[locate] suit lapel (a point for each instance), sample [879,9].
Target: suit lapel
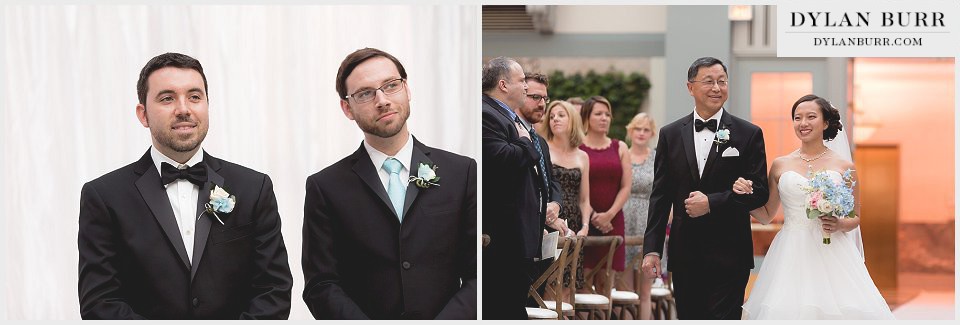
[716,147]
[364,169]
[420,155]
[690,150]
[202,227]
[155,196]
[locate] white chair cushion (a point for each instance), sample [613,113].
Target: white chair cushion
[552,305]
[624,295]
[659,292]
[540,313]
[590,299]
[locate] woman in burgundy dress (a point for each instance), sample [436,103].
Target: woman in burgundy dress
[610,174]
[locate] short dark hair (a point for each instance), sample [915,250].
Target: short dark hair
[356,58]
[161,61]
[830,114]
[703,62]
[537,77]
[494,71]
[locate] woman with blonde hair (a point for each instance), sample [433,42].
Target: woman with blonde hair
[640,131]
[571,169]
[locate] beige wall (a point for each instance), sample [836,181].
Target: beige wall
[910,103]
[610,19]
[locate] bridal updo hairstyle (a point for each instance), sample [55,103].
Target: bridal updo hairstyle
[830,114]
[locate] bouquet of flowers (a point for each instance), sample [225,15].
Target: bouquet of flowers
[828,196]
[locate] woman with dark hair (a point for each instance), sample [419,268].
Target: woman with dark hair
[610,175]
[801,276]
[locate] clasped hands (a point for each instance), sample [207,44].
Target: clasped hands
[602,221]
[554,221]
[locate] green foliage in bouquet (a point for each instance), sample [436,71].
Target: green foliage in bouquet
[625,92]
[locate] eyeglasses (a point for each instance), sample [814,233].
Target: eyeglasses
[388,88]
[537,98]
[710,83]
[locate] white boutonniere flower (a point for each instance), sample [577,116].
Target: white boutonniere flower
[220,201]
[426,176]
[723,135]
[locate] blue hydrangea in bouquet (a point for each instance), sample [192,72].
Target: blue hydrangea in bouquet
[830,196]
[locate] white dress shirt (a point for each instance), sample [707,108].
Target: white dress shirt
[404,156]
[703,140]
[183,197]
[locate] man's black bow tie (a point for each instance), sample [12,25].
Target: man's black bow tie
[196,174]
[700,124]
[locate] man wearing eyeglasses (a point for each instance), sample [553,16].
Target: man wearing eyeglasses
[531,114]
[390,232]
[699,157]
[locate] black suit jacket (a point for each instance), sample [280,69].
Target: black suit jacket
[133,263]
[360,262]
[721,239]
[513,188]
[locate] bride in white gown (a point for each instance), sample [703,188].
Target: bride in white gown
[800,277]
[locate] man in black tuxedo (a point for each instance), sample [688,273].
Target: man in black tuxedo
[383,237]
[513,191]
[699,157]
[180,234]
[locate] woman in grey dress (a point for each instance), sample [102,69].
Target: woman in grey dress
[639,132]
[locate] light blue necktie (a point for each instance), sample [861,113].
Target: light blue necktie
[395,185]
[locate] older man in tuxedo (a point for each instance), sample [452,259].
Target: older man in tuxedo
[390,231]
[699,156]
[180,234]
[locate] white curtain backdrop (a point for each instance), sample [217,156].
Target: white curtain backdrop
[69,93]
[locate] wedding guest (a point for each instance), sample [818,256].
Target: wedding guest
[571,167]
[512,216]
[610,175]
[577,103]
[639,132]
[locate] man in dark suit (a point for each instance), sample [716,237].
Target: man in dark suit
[513,191]
[531,113]
[699,157]
[390,232]
[180,234]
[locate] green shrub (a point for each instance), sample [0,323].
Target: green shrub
[625,92]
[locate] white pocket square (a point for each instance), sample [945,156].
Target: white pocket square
[731,152]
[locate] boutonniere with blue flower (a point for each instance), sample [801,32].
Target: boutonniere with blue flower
[220,201]
[426,176]
[723,135]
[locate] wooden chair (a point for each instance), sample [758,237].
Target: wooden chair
[553,281]
[661,296]
[661,300]
[628,302]
[597,304]
[566,297]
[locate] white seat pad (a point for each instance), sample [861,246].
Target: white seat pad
[590,299]
[541,313]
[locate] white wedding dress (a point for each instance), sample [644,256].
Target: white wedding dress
[802,278]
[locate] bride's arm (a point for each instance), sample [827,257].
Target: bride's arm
[768,211]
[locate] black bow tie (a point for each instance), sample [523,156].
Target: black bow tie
[196,174]
[700,124]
